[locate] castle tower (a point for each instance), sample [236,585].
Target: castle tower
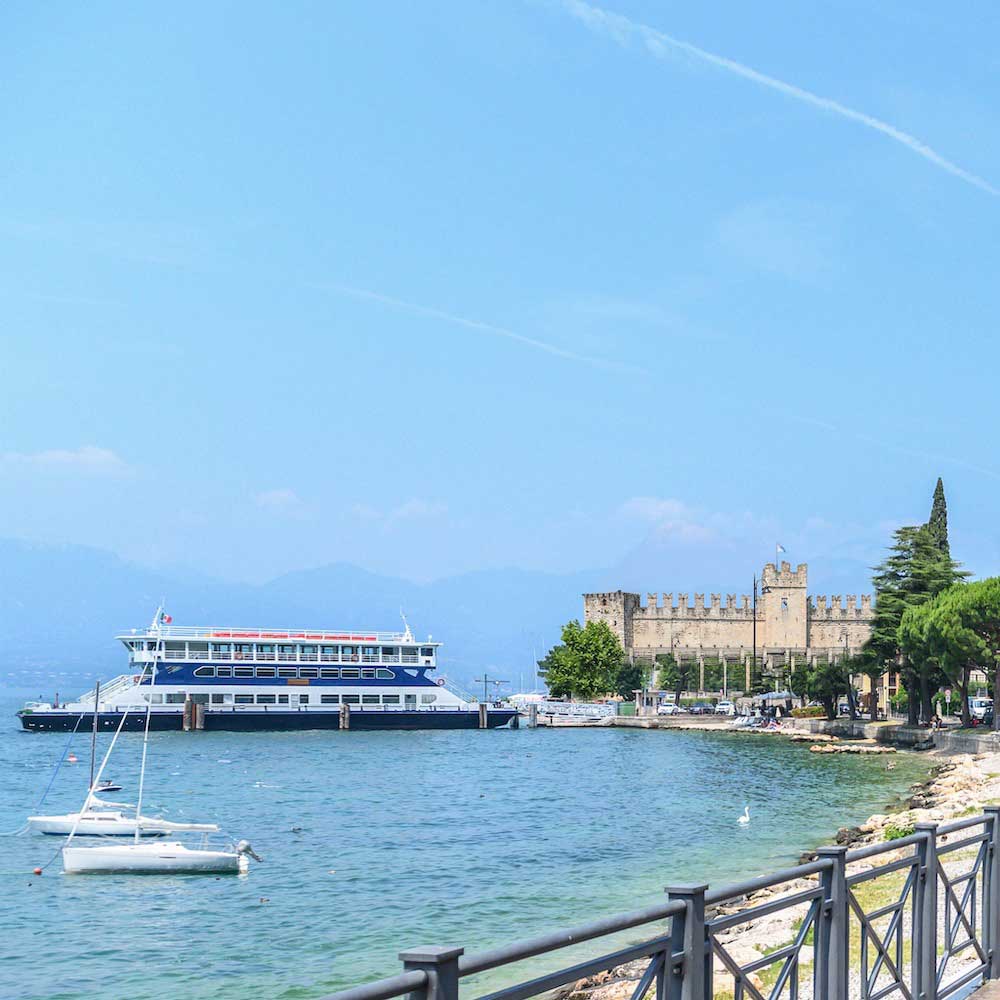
[616,609]
[781,609]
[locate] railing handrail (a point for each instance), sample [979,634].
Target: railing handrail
[679,958]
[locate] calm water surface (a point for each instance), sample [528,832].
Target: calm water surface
[378,841]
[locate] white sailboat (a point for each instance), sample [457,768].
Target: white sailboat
[108,819]
[152,859]
[146,858]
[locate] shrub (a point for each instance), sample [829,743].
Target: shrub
[809,712]
[893,832]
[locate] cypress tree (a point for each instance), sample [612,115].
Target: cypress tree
[937,523]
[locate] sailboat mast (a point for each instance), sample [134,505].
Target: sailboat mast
[145,737]
[93,734]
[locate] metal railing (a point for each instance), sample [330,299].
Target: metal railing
[931,931]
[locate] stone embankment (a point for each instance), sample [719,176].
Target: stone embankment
[958,787]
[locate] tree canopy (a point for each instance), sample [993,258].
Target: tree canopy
[959,630]
[586,663]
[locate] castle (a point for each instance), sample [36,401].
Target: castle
[790,624]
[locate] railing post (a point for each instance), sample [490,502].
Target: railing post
[991,895]
[693,980]
[833,929]
[925,919]
[441,966]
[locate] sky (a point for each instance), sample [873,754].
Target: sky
[441,287]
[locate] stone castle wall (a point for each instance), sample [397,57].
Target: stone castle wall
[789,621]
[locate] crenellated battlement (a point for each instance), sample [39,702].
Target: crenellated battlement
[788,619]
[662,606]
[785,576]
[840,607]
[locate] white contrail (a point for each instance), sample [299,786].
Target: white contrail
[621,29]
[474,324]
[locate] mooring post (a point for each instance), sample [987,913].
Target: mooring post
[186,723]
[532,716]
[483,715]
[693,980]
[833,928]
[926,921]
[992,893]
[441,966]
[345,716]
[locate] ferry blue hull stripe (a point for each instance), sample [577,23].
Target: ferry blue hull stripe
[273,721]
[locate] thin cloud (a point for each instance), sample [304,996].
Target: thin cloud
[474,324]
[88,458]
[622,30]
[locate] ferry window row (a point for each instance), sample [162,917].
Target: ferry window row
[227,698]
[293,652]
[324,673]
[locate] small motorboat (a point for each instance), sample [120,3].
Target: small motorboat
[155,859]
[106,786]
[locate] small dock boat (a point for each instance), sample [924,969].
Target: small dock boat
[153,859]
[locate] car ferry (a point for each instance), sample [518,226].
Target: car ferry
[211,678]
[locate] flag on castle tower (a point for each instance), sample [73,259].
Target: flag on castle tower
[779,548]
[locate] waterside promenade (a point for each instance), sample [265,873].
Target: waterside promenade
[917,917]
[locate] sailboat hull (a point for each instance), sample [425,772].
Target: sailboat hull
[150,859]
[110,825]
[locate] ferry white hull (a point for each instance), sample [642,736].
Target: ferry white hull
[151,859]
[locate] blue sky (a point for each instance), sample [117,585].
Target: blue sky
[439,287]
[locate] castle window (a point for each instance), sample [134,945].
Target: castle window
[784,604]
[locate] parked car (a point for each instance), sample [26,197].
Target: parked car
[668,709]
[979,707]
[700,708]
[725,708]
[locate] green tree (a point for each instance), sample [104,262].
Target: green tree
[673,675]
[826,684]
[914,571]
[630,677]
[586,663]
[798,682]
[937,523]
[961,631]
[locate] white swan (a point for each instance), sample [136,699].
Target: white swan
[745,818]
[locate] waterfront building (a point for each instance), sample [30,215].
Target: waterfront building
[785,624]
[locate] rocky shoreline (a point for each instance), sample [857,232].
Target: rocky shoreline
[957,787]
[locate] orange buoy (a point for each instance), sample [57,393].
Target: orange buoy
[38,871]
[72,758]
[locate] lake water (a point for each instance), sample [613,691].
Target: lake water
[402,839]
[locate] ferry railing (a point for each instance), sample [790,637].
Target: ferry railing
[916,918]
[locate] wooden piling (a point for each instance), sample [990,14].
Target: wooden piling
[186,722]
[345,716]
[198,714]
[484,717]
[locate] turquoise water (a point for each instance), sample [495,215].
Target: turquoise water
[475,838]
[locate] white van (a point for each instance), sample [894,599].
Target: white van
[978,707]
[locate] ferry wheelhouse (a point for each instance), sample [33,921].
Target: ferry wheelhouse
[271,679]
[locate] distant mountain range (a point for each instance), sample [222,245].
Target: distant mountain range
[60,607]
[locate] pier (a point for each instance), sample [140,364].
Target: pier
[916,918]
